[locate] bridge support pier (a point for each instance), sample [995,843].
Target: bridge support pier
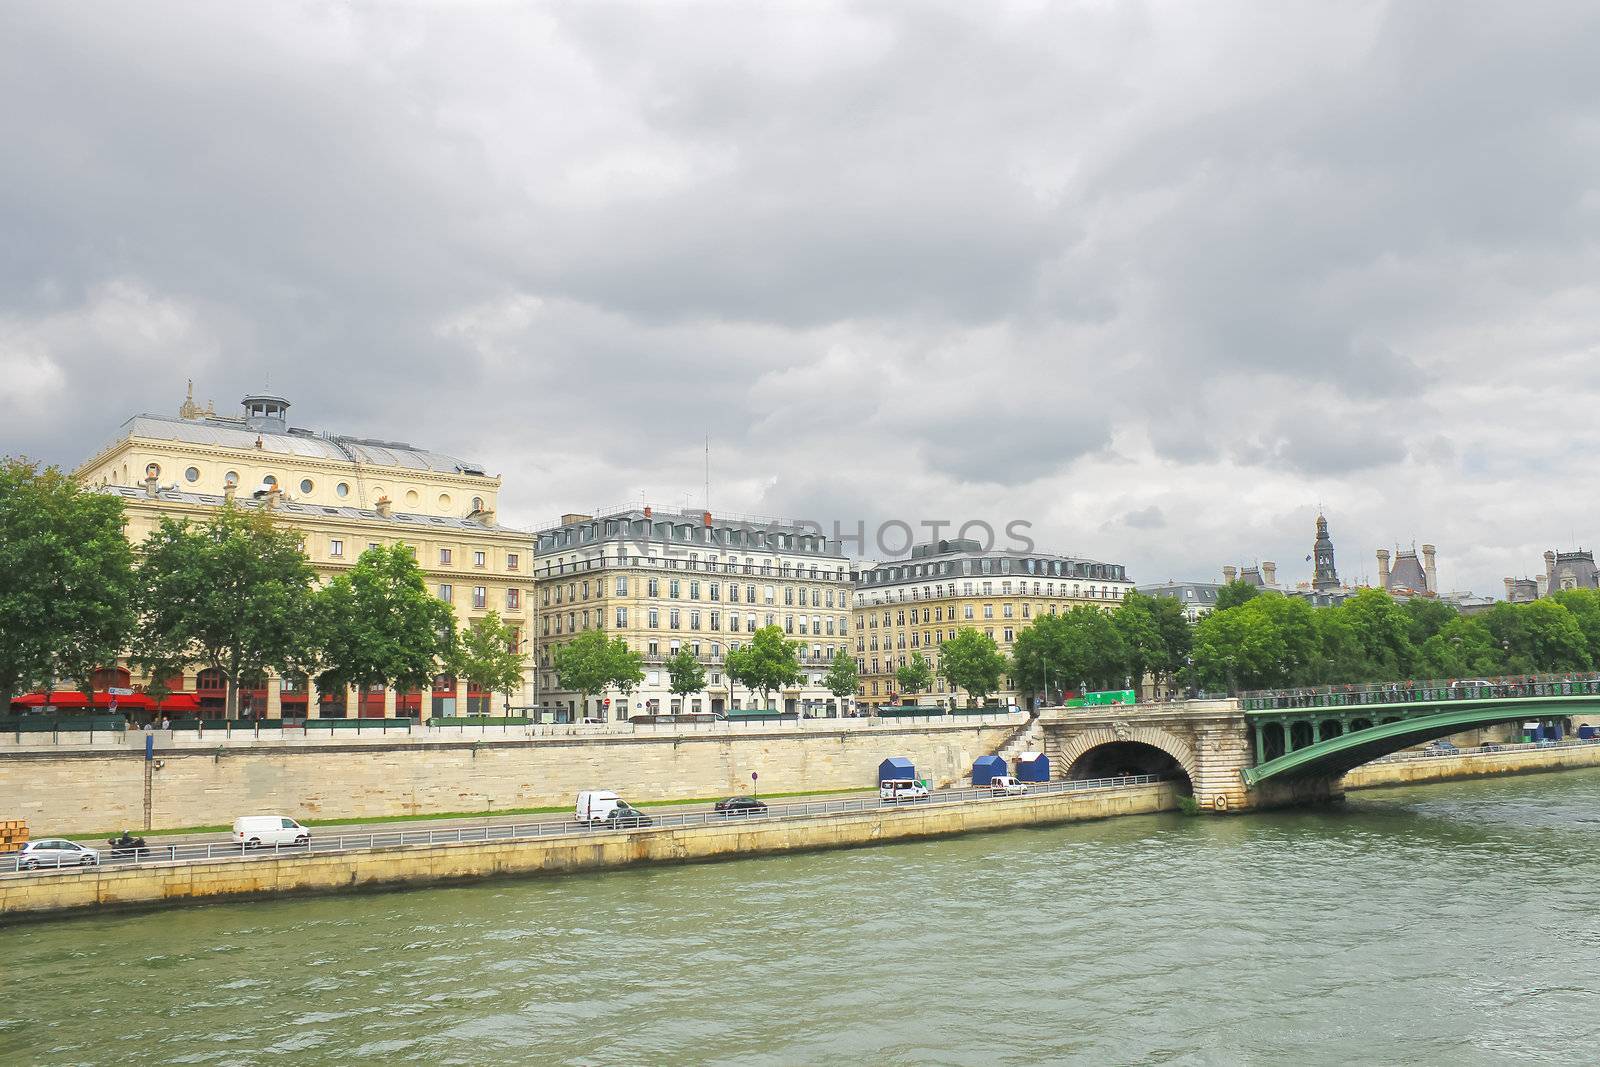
[1210,740]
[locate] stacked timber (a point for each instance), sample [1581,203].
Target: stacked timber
[13,835]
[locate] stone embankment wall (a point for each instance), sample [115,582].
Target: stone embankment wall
[423,864]
[1416,771]
[61,791]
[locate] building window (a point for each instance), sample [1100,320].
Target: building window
[622,618]
[480,558]
[653,587]
[511,561]
[480,597]
[654,619]
[694,620]
[674,619]
[446,594]
[335,548]
[231,478]
[513,599]
[192,474]
[342,489]
[270,481]
[444,557]
[672,588]
[622,587]
[306,485]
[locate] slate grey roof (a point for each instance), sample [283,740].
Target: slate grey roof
[1198,593]
[1407,573]
[291,507]
[233,433]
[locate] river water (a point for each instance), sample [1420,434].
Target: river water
[1447,924]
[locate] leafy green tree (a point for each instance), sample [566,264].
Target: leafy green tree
[843,680]
[1269,641]
[1080,645]
[1177,636]
[1463,648]
[685,674]
[972,661]
[916,676]
[1426,616]
[1235,593]
[592,662]
[490,657]
[767,663]
[1383,630]
[66,579]
[232,592]
[1541,636]
[1584,606]
[379,626]
[1144,645]
[1340,657]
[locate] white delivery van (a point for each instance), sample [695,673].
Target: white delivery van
[898,790]
[254,831]
[1003,785]
[595,804]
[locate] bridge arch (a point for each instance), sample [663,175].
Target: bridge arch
[1107,752]
[1380,732]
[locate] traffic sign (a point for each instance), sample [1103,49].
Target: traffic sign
[116,692]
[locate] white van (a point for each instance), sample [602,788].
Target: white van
[899,790]
[253,831]
[1003,785]
[595,804]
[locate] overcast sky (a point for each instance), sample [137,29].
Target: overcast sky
[1156,278]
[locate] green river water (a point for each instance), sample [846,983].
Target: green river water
[1447,924]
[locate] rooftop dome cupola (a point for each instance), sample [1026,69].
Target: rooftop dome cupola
[263,411]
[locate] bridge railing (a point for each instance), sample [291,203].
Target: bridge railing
[1429,691]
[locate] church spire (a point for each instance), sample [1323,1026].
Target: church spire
[1326,575]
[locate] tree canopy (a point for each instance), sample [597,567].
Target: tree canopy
[843,680]
[972,661]
[66,598]
[233,592]
[685,674]
[378,626]
[489,656]
[769,662]
[592,662]
[916,676]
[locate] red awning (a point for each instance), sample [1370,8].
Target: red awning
[72,699]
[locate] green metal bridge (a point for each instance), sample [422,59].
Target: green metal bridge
[1314,733]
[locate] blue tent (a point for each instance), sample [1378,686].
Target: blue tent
[1033,767]
[896,767]
[987,768]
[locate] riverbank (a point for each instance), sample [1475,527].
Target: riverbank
[153,884]
[1415,769]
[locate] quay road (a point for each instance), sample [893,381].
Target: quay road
[510,829]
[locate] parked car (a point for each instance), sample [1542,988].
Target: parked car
[1440,748]
[740,806]
[55,852]
[626,815]
[255,831]
[1003,785]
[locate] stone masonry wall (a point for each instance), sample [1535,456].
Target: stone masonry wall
[78,792]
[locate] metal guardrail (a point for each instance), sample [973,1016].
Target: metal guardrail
[199,853]
[1422,691]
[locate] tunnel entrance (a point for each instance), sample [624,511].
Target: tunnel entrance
[1123,758]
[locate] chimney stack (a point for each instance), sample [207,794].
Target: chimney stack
[1269,572]
[1510,587]
[1549,570]
[1383,568]
[1430,568]
[385,507]
[1228,573]
[1543,583]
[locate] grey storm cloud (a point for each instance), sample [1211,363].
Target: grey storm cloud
[940,260]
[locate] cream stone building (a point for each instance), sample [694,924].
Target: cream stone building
[664,580]
[342,494]
[916,604]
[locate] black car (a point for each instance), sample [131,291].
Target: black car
[740,806]
[624,815]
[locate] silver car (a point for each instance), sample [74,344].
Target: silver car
[55,852]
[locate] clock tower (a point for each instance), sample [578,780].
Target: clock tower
[1326,575]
